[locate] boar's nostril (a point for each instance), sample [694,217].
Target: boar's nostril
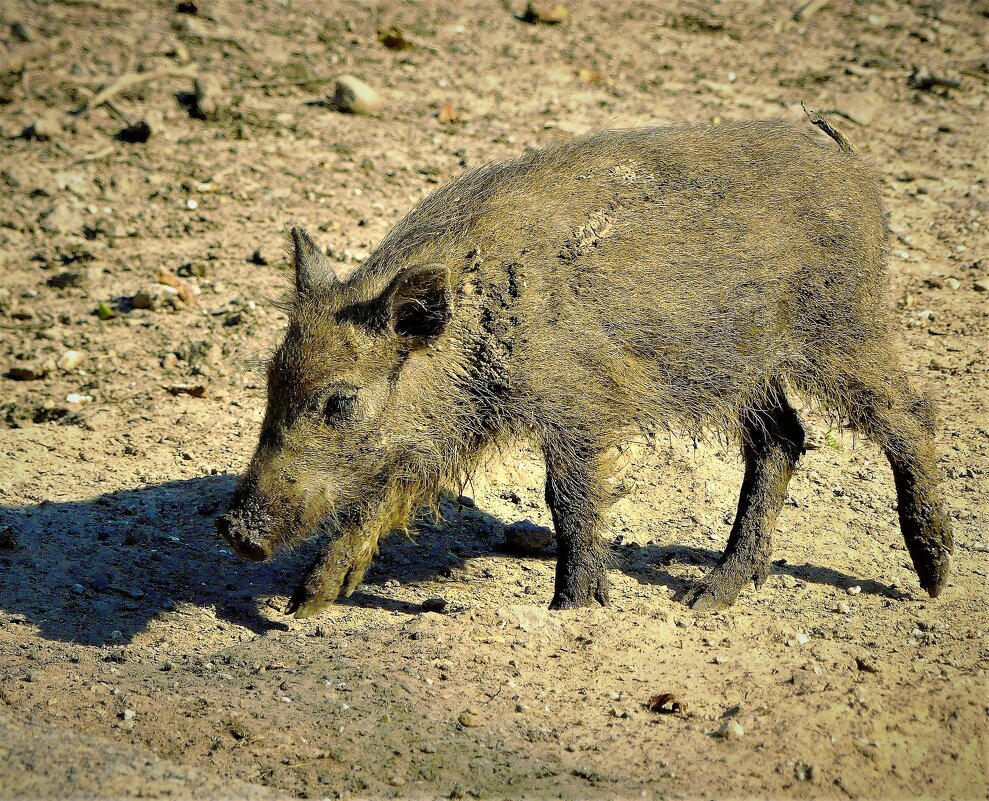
[242,545]
[251,550]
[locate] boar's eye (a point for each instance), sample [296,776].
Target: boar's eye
[338,407]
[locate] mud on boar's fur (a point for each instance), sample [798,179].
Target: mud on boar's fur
[692,277]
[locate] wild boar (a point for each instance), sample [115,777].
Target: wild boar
[693,277]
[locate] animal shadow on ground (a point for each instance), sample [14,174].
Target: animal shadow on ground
[96,572]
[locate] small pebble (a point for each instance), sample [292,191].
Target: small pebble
[156,296]
[43,128]
[469,718]
[866,664]
[526,538]
[136,134]
[129,714]
[353,96]
[731,730]
[854,590]
[434,605]
[548,13]
[70,360]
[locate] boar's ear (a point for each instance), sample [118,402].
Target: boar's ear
[311,270]
[419,302]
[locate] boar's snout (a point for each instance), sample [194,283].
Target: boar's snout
[238,529]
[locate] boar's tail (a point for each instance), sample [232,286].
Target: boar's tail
[817,119]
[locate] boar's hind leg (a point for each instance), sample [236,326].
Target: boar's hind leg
[773,442]
[575,495]
[901,422]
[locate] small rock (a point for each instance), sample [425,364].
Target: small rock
[731,730]
[803,772]
[434,605]
[548,13]
[469,718]
[194,390]
[527,538]
[74,182]
[952,283]
[922,78]
[21,32]
[866,664]
[31,371]
[393,39]
[61,219]
[981,285]
[70,360]
[156,296]
[353,96]
[447,114]
[239,730]
[136,134]
[208,97]
[788,581]
[854,590]
[128,714]
[192,269]
[43,128]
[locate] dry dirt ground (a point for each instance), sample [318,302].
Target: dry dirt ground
[138,657]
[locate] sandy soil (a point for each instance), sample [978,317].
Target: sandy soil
[139,657]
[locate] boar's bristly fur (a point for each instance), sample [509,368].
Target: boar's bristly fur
[684,277]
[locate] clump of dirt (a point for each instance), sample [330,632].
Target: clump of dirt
[140,657]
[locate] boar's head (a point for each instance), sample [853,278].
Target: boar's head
[349,414]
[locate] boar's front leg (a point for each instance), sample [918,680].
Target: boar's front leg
[338,569]
[575,494]
[774,441]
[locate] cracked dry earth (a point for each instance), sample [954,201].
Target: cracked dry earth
[138,657]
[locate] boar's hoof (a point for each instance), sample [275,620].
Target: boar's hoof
[308,609]
[933,571]
[706,599]
[302,604]
[935,576]
[582,598]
